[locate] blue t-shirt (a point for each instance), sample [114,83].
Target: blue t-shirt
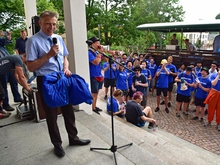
[115,105]
[121,80]
[148,61]
[206,83]
[217,86]
[130,76]
[107,72]
[172,68]
[188,78]
[95,70]
[179,71]
[198,72]
[162,80]
[152,68]
[146,73]
[3,43]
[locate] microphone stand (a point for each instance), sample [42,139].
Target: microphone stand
[113,147]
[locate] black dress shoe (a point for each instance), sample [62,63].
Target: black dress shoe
[79,142]
[9,108]
[58,150]
[96,111]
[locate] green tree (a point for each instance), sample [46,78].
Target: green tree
[11,14]
[199,44]
[44,5]
[58,5]
[217,16]
[119,20]
[53,5]
[12,18]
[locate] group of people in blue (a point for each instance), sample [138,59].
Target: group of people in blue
[140,74]
[129,74]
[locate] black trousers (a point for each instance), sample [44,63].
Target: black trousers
[51,118]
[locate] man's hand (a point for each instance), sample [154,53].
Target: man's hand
[67,72]
[153,121]
[30,90]
[53,50]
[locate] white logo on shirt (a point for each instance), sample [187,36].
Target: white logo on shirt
[4,62]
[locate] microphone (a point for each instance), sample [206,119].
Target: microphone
[55,42]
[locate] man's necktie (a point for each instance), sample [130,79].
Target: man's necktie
[50,41]
[57,57]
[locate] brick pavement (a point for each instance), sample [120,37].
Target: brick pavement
[190,130]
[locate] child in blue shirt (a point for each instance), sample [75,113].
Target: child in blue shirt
[122,80]
[153,69]
[162,84]
[203,85]
[115,107]
[185,81]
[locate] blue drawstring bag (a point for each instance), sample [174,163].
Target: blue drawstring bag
[59,90]
[79,90]
[55,89]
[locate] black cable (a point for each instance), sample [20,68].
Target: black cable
[1,126]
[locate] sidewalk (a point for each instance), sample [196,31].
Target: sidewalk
[28,143]
[190,130]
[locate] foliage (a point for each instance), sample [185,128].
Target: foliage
[12,17]
[44,5]
[199,44]
[53,5]
[118,20]
[217,16]
[11,14]
[58,5]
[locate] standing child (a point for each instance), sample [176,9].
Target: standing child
[203,85]
[146,72]
[139,83]
[109,77]
[162,84]
[122,80]
[185,81]
[153,69]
